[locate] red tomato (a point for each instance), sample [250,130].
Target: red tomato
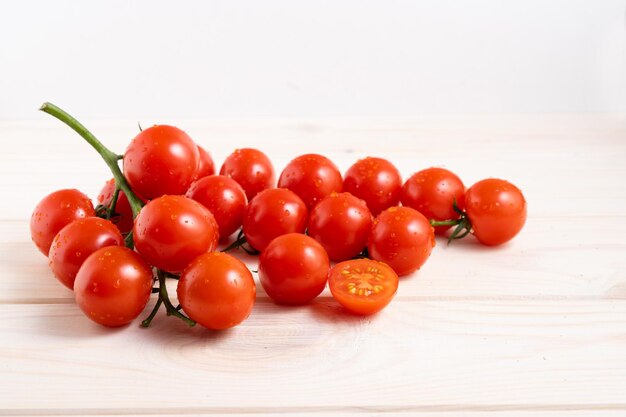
[54,212]
[363,286]
[171,231]
[224,198]
[217,290]
[206,166]
[251,168]
[293,269]
[402,238]
[496,209]
[161,160]
[312,177]
[123,216]
[433,192]
[113,286]
[76,241]
[376,181]
[272,213]
[341,223]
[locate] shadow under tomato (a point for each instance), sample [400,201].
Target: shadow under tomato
[469,243]
[164,328]
[328,310]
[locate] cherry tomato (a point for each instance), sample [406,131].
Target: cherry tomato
[272,213]
[76,241]
[312,177]
[217,290]
[402,238]
[206,166]
[293,269]
[224,198]
[113,286]
[341,223]
[123,215]
[54,212]
[171,231]
[433,192]
[363,286]
[251,168]
[376,181]
[497,210]
[161,160]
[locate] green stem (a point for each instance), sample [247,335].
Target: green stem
[237,243]
[111,209]
[435,223]
[148,320]
[171,310]
[109,157]
[128,240]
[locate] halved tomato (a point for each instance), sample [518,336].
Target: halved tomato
[363,286]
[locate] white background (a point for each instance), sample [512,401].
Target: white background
[192,59]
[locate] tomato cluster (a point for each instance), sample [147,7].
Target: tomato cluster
[164,214]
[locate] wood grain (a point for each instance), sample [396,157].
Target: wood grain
[414,356]
[534,328]
[546,261]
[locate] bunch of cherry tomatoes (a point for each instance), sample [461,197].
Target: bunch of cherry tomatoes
[164,213]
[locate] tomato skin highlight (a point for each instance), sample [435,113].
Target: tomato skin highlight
[496,209]
[161,160]
[217,291]
[341,224]
[124,214]
[54,212]
[206,165]
[113,286]
[293,269]
[272,213]
[402,238]
[224,198]
[251,168]
[76,241]
[376,181]
[432,192]
[171,231]
[312,177]
[363,286]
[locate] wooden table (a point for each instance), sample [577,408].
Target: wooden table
[535,327]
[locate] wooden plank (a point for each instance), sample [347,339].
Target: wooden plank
[552,160]
[551,258]
[415,356]
[438,411]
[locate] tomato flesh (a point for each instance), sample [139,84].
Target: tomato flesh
[363,286]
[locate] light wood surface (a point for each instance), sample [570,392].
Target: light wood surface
[536,327]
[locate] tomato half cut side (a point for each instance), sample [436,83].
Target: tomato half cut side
[363,286]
